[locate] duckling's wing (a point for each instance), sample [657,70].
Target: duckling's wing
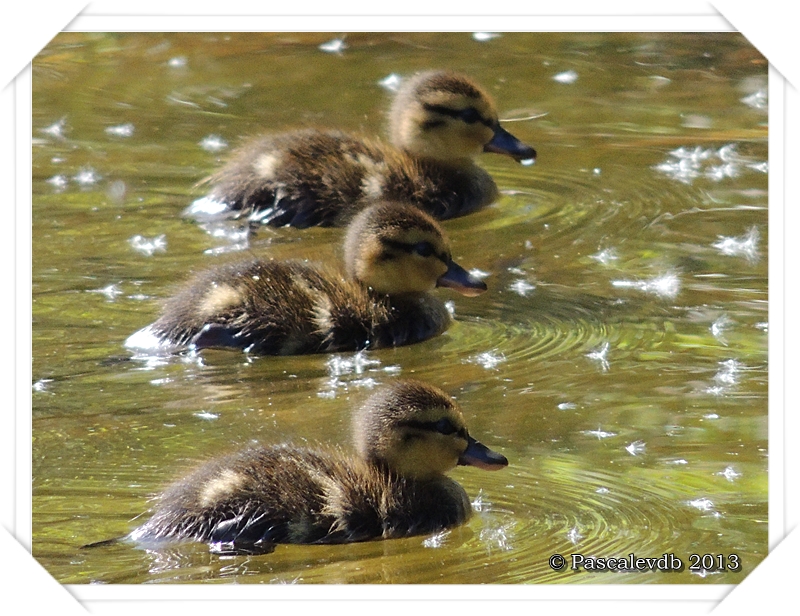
[214,335]
[247,534]
[301,212]
[218,335]
[302,178]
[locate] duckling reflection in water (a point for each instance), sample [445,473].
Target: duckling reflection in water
[407,436]
[394,255]
[439,122]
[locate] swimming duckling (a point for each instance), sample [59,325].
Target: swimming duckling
[439,122]
[394,255]
[407,436]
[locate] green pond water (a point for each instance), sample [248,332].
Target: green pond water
[619,358]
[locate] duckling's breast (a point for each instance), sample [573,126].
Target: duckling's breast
[418,507]
[412,319]
[442,190]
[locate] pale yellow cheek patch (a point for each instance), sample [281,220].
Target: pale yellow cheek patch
[218,299]
[266,166]
[220,487]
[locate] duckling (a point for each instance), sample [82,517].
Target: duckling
[439,122]
[394,255]
[407,435]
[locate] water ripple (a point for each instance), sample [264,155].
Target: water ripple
[566,509]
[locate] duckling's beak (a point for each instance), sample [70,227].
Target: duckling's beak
[478,454]
[459,279]
[504,142]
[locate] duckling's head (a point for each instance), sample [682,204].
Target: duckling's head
[418,431]
[395,248]
[448,117]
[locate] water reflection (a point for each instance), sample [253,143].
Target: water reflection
[619,358]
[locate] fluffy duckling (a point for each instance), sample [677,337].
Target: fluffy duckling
[439,122]
[407,436]
[394,255]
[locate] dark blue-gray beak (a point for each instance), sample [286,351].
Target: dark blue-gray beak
[478,454]
[504,142]
[459,279]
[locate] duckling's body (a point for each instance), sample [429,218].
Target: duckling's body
[282,494]
[395,254]
[408,434]
[439,122]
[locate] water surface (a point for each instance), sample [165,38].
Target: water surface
[619,358]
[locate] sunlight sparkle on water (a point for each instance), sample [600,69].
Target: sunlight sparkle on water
[566,77]
[600,355]
[636,448]
[477,502]
[743,246]
[58,182]
[521,287]
[205,207]
[756,100]
[573,536]
[333,46]
[213,143]
[688,164]
[703,504]
[600,434]
[148,246]
[391,82]
[605,256]
[235,233]
[498,537]
[206,415]
[728,374]
[123,130]
[351,365]
[730,474]
[718,326]
[41,385]
[437,540]
[339,365]
[667,285]
[56,129]
[86,177]
[487,359]
[111,291]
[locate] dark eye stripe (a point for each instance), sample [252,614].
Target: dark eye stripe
[428,124]
[420,248]
[469,115]
[443,426]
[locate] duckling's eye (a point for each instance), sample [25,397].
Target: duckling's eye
[470,115]
[423,249]
[445,426]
